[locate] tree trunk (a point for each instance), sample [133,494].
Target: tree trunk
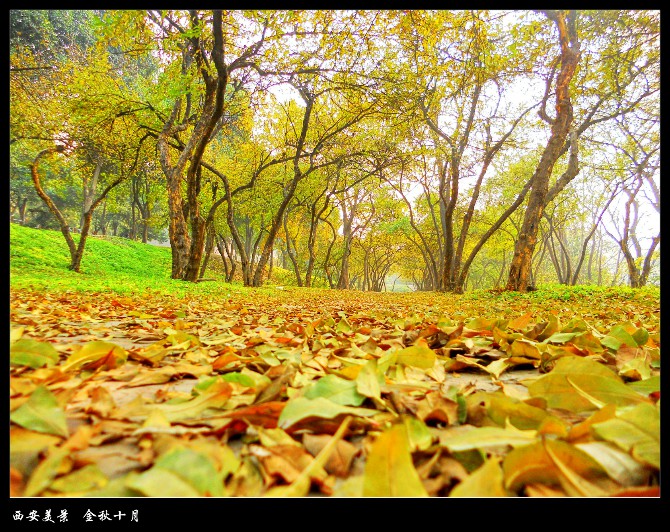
[343,282]
[187,249]
[180,241]
[209,245]
[523,251]
[76,250]
[23,209]
[291,251]
[89,192]
[289,190]
[274,229]
[64,226]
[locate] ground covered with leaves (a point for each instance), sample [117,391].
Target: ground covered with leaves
[295,392]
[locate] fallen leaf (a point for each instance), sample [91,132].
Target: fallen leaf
[486,438]
[619,465]
[180,472]
[31,353]
[571,375]
[486,481]
[554,463]
[301,408]
[418,355]
[45,472]
[337,390]
[389,471]
[87,478]
[339,462]
[215,396]
[96,354]
[41,413]
[637,430]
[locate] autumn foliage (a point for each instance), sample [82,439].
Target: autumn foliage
[337,393]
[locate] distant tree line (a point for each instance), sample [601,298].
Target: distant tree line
[454,150]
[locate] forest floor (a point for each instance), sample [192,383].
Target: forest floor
[106,388]
[121,388]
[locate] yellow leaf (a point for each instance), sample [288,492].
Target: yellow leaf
[554,463]
[486,481]
[525,348]
[389,470]
[96,354]
[520,322]
[418,355]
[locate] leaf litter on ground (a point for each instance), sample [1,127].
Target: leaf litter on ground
[329,393]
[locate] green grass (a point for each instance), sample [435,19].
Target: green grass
[580,293]
[39,259]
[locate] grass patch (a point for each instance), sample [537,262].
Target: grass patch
[39,260]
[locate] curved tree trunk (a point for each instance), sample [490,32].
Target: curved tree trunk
[76,250]
[519,273]
[64,227]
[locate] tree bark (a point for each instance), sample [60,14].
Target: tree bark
[187,248]
[64,226]
[89,192]
[519,273]
[76,250]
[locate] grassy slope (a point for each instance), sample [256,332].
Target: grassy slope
[39,260]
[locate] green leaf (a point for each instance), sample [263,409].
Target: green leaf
[31,353]
[88,478]
[647,386]
[41,413]
[300,408]
[618,336]
[335,389]
[389,470]
[194,467]
[613,343]
[561,337]
[637,430]
[641,336]
[419,436]
[159,482]
[240,378]
[181,472]
[343,326]
[572,375]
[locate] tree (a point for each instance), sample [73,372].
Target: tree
[641,152]
[566,24]
[620,75]
[456,87]
[76,114]
[347,144]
